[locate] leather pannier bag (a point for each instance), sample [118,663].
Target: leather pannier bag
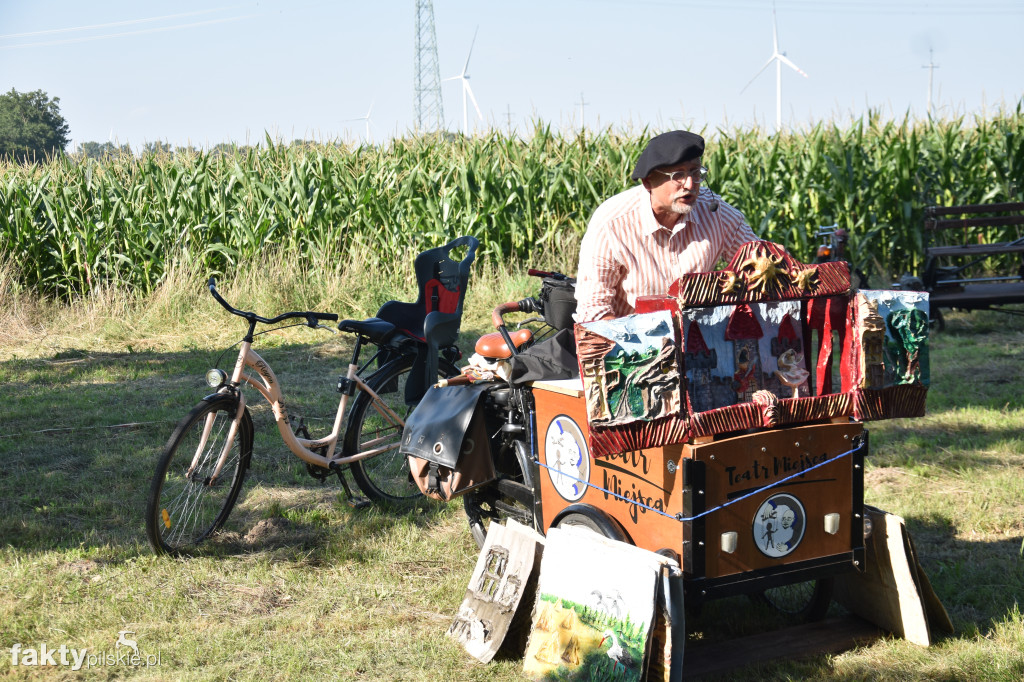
[446,442]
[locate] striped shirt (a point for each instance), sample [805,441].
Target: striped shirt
[626,253]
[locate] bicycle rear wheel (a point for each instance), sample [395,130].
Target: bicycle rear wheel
[384,477]
[511,496]
[185,507]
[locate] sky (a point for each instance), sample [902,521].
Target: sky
[202,73]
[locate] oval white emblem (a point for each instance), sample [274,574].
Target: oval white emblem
[779,525]
[567,458]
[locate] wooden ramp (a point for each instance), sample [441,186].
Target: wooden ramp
[800,641]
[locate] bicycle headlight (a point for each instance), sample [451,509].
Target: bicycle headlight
[216,377]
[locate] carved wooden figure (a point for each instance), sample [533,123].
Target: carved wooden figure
[787,348]
[872,343]
[790,373]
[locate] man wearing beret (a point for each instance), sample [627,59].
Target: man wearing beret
[642,240]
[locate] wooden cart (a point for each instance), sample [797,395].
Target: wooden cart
[709,425]
[721,425]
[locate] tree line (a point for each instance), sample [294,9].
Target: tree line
[32,129]
[31,126]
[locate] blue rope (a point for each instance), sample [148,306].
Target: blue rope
[682,519]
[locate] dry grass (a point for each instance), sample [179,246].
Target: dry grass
[305,587]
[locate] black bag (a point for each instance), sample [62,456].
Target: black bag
[558,298]
[446,442]
[553,358]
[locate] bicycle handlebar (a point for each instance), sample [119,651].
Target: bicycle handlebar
[311,317]
[510,307]
[526,305]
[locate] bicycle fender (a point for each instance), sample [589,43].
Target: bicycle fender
[223,394]
[237,401]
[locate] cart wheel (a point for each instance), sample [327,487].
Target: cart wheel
[807,601]
[592,518]
[937,321]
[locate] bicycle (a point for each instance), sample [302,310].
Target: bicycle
[834,240]
[508,408]
[203,465]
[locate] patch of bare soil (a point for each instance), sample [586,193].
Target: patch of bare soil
[881,476]
[270,532]
[81,566]
[278,532]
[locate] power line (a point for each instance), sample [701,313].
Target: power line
[873,7]
[127,22]
[124,34]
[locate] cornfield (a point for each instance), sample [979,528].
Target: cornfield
[70,225]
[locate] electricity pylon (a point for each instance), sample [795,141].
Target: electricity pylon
[429,110]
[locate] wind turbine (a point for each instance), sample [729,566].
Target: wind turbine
[466,90]
[931,66]
[368,122]
[779,58]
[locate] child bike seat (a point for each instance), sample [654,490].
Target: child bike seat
[436,315]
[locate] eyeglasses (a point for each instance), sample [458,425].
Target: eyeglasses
[698,175]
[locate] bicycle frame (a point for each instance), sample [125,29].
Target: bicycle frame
[267,385]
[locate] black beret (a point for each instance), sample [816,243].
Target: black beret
[668,149]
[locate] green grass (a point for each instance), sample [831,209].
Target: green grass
[304,587]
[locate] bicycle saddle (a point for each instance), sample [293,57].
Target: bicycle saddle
[494,347]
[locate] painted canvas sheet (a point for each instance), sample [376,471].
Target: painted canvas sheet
[732,351]
[886,362]
[595,608]
[630,368]
[499,582]
[903,318]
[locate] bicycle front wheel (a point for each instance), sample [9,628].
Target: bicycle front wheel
[384,477]
[186,504]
